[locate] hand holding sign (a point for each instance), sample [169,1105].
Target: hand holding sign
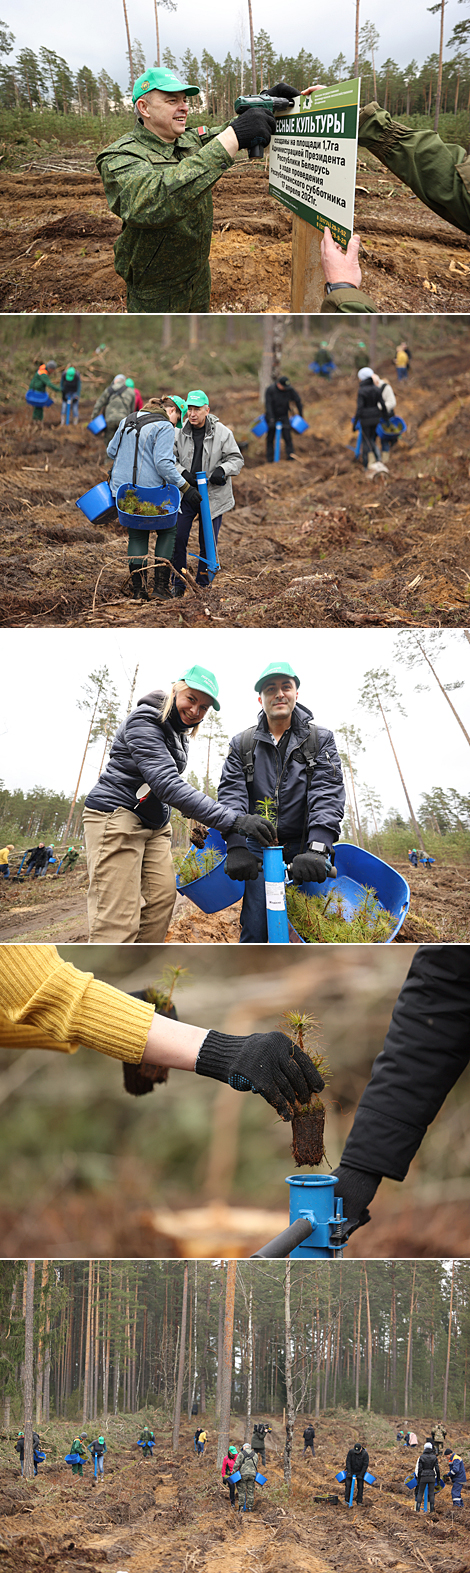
[338,266]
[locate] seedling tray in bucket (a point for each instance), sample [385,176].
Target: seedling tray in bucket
[214,891]
[98,504]
[358,871]
[162,496]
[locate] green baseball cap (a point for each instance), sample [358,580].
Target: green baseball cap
[180,405]
[276,669]
[70,373]
[163,81]
[101,1438]
[129,383]
[199,677]
[197,397]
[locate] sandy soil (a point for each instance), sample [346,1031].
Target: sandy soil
[57,234]
[172,1513]
[311,543]
[55,911]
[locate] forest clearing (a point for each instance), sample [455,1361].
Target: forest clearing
[320,545]
[351,1349]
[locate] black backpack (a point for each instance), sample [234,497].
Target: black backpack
[135,423]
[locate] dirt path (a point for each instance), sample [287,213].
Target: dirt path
[172,1513]
[57,234]
[313,543]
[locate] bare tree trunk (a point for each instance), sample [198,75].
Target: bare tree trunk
[443,690]
[157,30]
[358,1348]
[226,1387]
[179,1390]
[369,1341]
[273,338]
[86,1380]
[252,45]
[166,332]
[409,1346]
[356,41]
[220,1342]
[449,1334]
[439,70]
[28,1373]
[129,50]
[408,799]
[290,1413]
[250,1368]
[39,1362]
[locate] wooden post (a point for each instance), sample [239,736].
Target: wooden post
[308,279]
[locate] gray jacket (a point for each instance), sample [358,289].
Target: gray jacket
[219,448]
[149,750]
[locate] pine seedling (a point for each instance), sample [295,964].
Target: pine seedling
[267,809]
[308,1122]
[160,995]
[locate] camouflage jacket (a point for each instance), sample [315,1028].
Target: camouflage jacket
[114,404]
[347,301]
[438,173]
[162,193]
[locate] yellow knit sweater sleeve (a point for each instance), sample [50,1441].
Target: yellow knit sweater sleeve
[46,1003]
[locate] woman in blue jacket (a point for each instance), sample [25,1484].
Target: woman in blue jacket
[126,818]
[142,454]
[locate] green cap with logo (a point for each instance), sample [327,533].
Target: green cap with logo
[180,405]
[70,373]
[199,677]
[276,669]
[129,382]
[163,81]
[197,397]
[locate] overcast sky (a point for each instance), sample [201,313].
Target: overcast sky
[43,733]
[94,36]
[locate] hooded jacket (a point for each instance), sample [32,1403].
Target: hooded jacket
[357,1463]
[427,1467]
[370,406]
[155,462]
[426,1049]
[114,404]
[285,780]
[149,750]
[219,447]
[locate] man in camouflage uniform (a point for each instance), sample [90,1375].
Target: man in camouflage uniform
[158,180]
[247,1463]
[115,402]
[437,172]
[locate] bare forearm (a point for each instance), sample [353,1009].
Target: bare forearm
[173,1043]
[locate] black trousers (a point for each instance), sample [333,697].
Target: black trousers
[288,444]
[420,1490]
[359,1487]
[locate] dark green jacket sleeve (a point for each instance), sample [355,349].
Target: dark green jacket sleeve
[348,300]
[438,173]
[151,193]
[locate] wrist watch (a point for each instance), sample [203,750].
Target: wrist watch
[319,846]
[330,287]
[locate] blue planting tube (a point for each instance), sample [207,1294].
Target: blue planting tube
[211,551]
[312,1196]
[277,442]
[351,1493]
[67,413]
[276,910]
[425,1499]
[96,1465]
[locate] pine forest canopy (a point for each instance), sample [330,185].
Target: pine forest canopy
[45,80]
[107,1336]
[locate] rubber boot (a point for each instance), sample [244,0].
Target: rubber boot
[139,584]
[162,583]
[179,588]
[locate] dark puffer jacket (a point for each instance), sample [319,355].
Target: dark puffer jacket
[285,780]
[149,750]
[277,402]
[425,1051]
[370,406]
[357,1463]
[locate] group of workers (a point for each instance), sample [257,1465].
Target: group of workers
[36,861]
[427,1472]
[69,388]
[424,859]
[80,1449]
[38,1455]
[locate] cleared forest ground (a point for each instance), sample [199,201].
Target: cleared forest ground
[55,910]
[311,544]
[172,1514]
[57,234]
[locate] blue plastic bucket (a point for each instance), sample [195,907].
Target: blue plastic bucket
[215,891]
[395,421]
[260,427]
[74,1458]
[356,869]
[97,424]
[156,494]
[298,424]
[97,504]
[322,370]
[39,399]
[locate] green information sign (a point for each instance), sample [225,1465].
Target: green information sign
[313,156]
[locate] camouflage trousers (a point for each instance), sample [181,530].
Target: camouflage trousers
[246,1491]
[190,295]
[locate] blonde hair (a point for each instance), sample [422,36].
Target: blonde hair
[177,688]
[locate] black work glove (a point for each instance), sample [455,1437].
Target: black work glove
[310,865]
[192,497]
[199,836]
[254,128]
[357,1189]
[265,1062]
[218,476]
[186,476]
[242,864]
[254,825]
[280,90]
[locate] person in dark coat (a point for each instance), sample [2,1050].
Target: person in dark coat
[426,1049]
[309,1440]
[70,385]
[456,1476]
[258,1440]
[127,814]
[427,1474]
[357,1463]
[369,411]
[308,794]
[38,858]
[277,400]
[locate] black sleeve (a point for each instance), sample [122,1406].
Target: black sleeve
[426,1049]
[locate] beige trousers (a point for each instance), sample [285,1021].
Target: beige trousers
[132,886]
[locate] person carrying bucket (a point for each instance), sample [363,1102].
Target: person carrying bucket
[81,1454]
[142,454]
[203,443]
[296,766]
[357,1464]
[277,400]
[98,1450]
[127,814]
[40,383]
[70,385]
[426,1049]
[427,1474]
[115,402]
[228,1466]
[147,1441]
[370,407]
[47,1003]
[456,1476]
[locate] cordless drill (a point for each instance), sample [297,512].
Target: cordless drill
[274,106]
